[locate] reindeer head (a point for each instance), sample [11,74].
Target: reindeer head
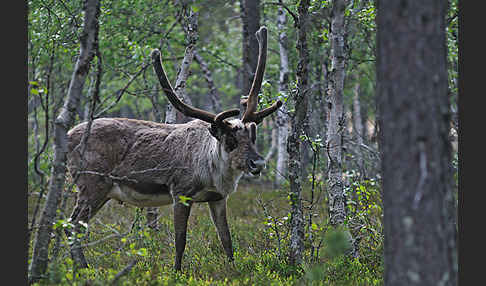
[237,136]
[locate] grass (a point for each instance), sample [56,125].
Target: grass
[258,219]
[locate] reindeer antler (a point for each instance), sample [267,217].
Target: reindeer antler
[186,109]
[251,115]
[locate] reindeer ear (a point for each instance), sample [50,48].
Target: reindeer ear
[215,131]
[230,143]
[253,128]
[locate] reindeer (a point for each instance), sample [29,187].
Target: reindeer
[149,164]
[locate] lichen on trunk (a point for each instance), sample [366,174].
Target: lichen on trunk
[300,100]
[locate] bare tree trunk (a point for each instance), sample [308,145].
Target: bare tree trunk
[318,122]
[324,106]
[214,98]
[282,121]
[413,103]
[273,141]
[300,100]
[89,42]
[358,130]
[250,16]
[171,114]
[336,120]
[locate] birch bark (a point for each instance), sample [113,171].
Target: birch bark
[172,115]
[358,130]
[282,113]
[336,120]
[65,120]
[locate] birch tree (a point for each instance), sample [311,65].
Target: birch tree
[282,120]
[65,120]
[336,120]
[190,27]
[413,102]
[300,100]
[214,103]
[358,130]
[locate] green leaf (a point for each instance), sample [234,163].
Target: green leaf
[183,200]
[142,251]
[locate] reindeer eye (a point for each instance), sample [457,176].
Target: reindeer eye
[230,143]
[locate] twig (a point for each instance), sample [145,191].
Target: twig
[166,35]
[94,100]
[116,234]
[122,91]
[152,95]
[449,20]
[220,59]
[39,172]
[124,271]
[73,17]
[273,146]
[280,3]
[124,178]
[273,226]
[213,91]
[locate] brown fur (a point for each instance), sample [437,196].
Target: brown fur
[151,164]
[176,155]
[153,161]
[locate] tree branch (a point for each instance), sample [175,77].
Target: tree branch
[291,13]
[122,91]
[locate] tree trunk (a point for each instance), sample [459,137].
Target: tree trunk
[300,99]
[336,120]
[282,113]
[214,103]
[419,209]
[171,114]
[273,141]
[358,131]
[324,105]
[65,120]
[250,16]
[318,118]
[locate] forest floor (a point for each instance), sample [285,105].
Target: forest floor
[258,219]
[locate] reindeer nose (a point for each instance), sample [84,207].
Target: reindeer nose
[256,165]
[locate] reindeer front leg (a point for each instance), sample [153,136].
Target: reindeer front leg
[218,214]
[181,215]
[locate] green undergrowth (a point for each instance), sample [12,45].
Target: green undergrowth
[258,219]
